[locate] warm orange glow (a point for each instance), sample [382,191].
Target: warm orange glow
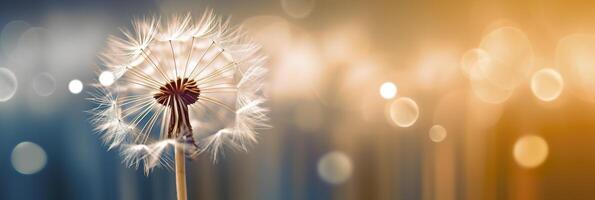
[511,57]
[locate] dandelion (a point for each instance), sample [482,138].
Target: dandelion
[181,87]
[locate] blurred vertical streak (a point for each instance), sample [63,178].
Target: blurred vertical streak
[510,127]
[237,176]
[127,183]
[387,185]
[256,174]
[367,181]
[408,162]
[204,181]
[474,155]
[493,184]
[265,169]
[346,144]
[524,184]
[474,162]
[350,140]
[444,169]
[84,174]
[295,161]
[447,157]
[336,132]
[480,156]
[161,186]
[428,173]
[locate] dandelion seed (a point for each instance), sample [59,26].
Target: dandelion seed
[170,76]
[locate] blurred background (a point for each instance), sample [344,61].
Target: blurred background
[369,100]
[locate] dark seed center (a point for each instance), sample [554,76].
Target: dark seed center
[184,90]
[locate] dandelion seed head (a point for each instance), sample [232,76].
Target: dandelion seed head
[179,81]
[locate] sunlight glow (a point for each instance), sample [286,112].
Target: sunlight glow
[75,86]
[388,90]
[106,78]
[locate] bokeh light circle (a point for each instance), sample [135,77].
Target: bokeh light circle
[8,84]
[298,8]
[388,90]
[472,63]
[106,78]
[511,57]
[530,151]
[28,158]
[489,92]
[10,35]
[335,167]
[574,58]
[75,86]
[437,133]
[32,48]
[404,112]
[473,59]
[44,84]
[547,84]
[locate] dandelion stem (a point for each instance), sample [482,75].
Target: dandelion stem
[181,130]
[180,172]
